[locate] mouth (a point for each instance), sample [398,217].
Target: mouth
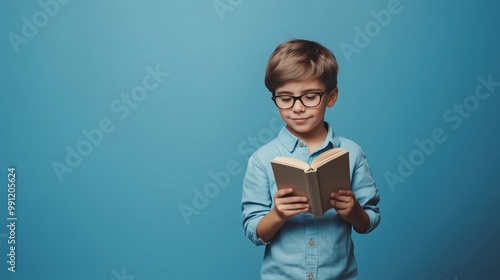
[299,120]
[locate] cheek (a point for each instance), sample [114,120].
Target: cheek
[319,111]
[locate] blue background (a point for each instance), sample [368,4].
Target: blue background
[116,215]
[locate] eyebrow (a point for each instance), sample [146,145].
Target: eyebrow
[304,91]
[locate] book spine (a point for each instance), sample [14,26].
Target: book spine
[312,182]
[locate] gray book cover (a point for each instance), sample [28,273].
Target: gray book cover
[315,182]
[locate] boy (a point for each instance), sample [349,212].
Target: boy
[302,77]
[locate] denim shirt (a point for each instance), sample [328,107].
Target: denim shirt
[306,247]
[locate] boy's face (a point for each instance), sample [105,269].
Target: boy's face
[306,122]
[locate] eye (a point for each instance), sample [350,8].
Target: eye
[311,96]
[285,99]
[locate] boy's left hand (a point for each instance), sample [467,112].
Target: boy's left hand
[347,206]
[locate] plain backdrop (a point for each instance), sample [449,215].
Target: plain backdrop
[130,124]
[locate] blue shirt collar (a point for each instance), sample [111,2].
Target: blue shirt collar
[290,141]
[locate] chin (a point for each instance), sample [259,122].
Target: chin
[301,129]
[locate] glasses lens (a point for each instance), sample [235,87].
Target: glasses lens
[284,102]
[311,99]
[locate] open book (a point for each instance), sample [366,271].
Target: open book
[328,173]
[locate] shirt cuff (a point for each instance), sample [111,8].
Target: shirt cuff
[253,232]
[374,219]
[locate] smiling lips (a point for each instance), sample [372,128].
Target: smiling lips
[300,120]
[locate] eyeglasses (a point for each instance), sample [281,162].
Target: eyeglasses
[310,99]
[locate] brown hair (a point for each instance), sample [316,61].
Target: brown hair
[297,60]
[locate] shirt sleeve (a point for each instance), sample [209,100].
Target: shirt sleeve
[365,189]
[256,199]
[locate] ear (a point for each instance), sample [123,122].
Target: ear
[332,97]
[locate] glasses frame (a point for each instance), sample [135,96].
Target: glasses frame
[295,98]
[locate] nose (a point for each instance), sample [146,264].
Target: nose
[298,107]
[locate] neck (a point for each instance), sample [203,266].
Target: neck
[313,138]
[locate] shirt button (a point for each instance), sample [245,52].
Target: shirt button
[311,276]
[311,242]
[301,144]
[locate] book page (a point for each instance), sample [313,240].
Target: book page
[293,162]
[327,156]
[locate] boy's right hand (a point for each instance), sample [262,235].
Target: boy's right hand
[288,206]
[285,207]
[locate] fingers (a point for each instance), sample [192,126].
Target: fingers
[346,192]
[283,196]
[288,206]
[291,200]
[338,205]
[283,192]
[293,207]
[288,210]
[343,195]
[342,199]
